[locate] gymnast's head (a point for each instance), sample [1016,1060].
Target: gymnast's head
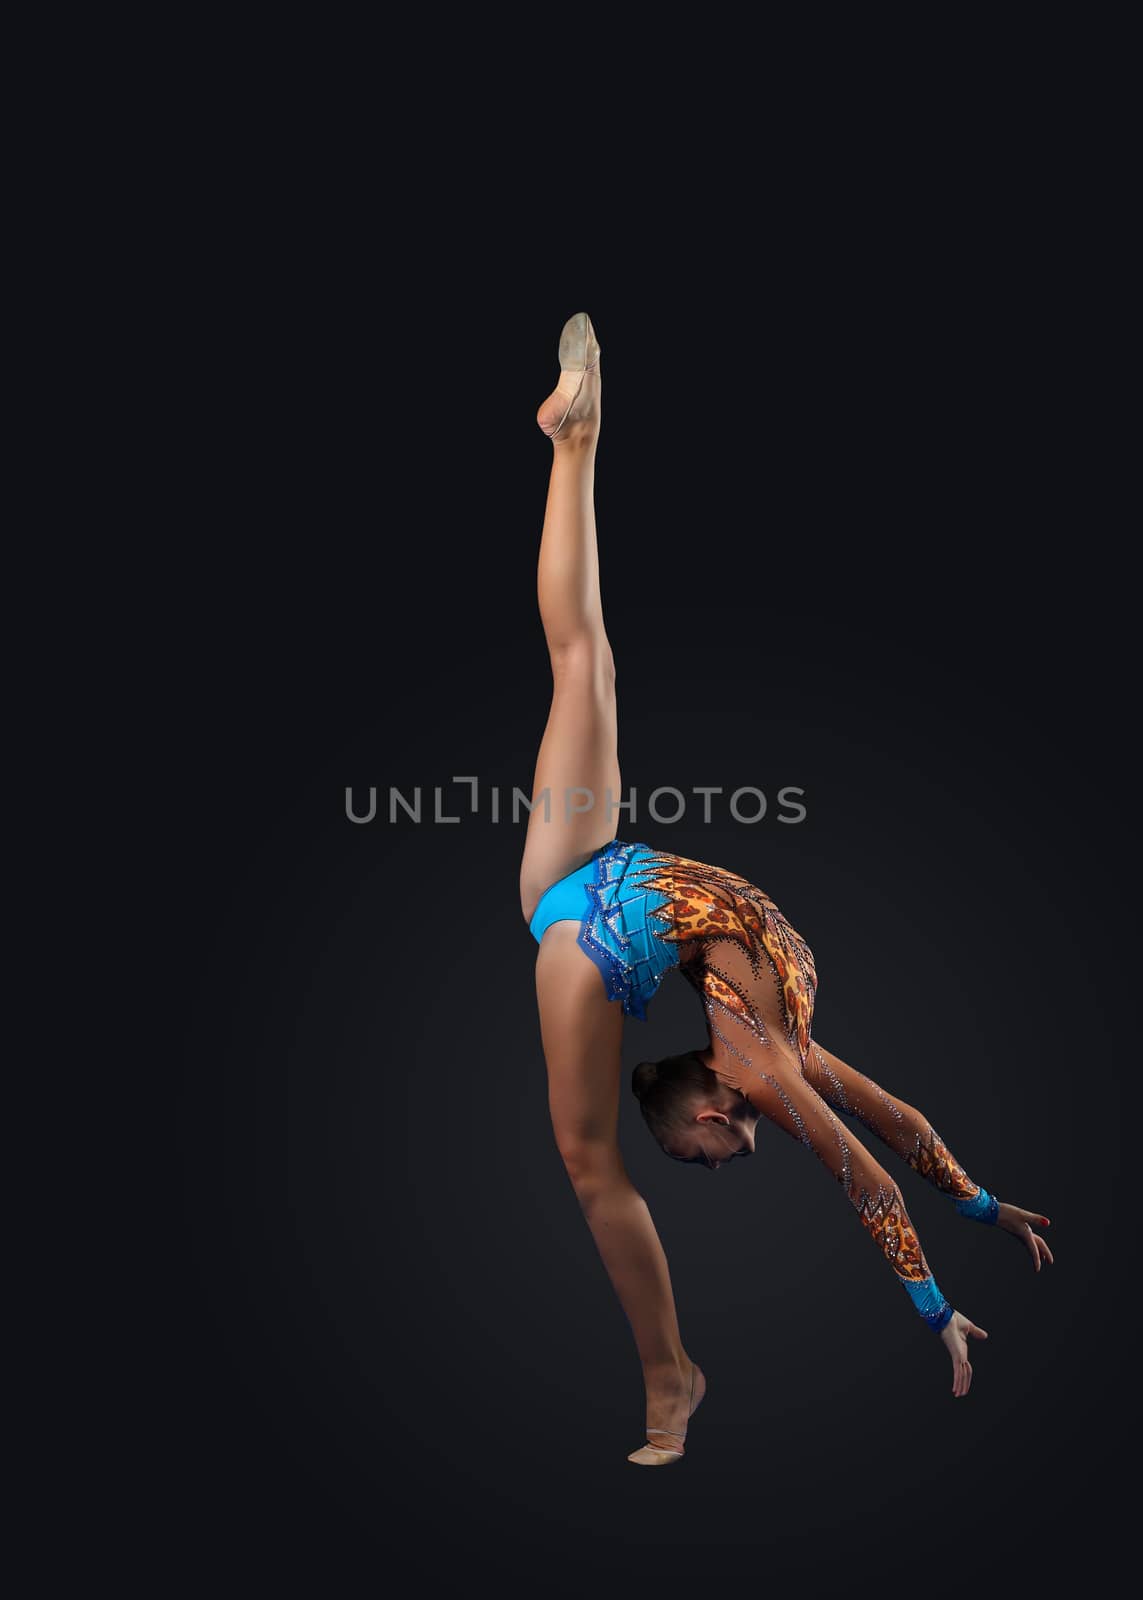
[692,1114]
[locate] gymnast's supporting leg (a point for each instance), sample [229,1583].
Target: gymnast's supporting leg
[582,1033]
[581,1028]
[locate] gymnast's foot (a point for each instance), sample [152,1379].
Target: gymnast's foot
[570,414]
[671,1400]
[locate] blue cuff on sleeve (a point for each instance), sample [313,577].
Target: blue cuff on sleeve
[929,1301]
[983,1207]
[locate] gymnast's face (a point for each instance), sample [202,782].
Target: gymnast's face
[719,1131]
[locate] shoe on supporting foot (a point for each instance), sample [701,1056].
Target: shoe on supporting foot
[575,392]
[657,1453]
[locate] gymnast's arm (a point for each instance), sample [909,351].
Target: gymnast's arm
[899,1125]
[778,1091]
[912,1136]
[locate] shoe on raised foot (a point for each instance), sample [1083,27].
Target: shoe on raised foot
[579,354]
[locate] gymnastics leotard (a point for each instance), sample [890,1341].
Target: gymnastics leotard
[643,913]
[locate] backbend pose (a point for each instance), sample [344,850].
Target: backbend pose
[627,914]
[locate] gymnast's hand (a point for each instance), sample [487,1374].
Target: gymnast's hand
[955,1336]
[1019,1223]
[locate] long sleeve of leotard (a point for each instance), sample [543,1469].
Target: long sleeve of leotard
[902,1127]
[779,1092]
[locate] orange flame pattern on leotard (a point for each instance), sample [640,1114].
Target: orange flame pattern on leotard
[705,903]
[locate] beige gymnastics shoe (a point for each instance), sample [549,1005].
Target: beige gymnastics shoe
[572,409]
[661,1455]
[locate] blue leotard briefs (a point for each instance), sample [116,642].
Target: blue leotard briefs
[617,914]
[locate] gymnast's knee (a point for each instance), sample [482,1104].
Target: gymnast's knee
[593,1167]
[583,658]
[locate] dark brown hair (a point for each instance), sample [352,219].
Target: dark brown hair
[668,1090]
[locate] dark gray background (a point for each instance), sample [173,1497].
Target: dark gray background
[852,539]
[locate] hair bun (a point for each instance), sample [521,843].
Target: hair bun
[645,1074]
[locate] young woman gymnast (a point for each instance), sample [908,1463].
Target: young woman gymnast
[612,918]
